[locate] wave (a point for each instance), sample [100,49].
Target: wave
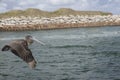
[107,53]
[72,46]
[2,74]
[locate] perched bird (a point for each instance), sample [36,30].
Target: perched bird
[20,48]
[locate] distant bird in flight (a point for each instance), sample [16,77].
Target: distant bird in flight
[20,48]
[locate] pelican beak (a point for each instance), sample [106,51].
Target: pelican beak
[38,41]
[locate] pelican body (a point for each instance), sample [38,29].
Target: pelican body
[20,48]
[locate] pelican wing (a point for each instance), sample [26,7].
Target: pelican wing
[22,51]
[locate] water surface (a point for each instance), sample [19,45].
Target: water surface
[69,54]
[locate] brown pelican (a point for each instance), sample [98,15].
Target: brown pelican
[20,48]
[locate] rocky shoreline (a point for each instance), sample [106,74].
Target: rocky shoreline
[42,23]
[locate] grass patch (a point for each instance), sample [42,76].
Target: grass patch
[60,12]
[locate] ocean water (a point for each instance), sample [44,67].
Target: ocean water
[69,54]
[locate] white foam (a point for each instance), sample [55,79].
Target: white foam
[76,36]
[85,35]
[2,39]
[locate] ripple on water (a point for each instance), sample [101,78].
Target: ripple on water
[73,54]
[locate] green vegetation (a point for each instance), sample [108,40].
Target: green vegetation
[60,12]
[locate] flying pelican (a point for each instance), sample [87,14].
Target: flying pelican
[20,48]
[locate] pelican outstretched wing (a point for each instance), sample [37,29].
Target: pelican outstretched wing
[21,51]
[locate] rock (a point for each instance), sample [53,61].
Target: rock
[68,21]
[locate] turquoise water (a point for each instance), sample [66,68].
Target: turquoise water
[69,54]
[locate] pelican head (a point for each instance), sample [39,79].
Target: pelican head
[29,39]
